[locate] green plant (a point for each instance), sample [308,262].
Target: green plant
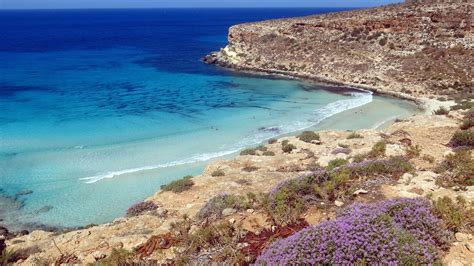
[117,257]
[463,105]
[180,185]
[441,111]
[249,151]
[468,120]
[345,146]
[336,163]
[268,153]
[428,158]
[463,138]
[457,169]
[214,207]
[413,151]
[5,256]
[218,172]
[308,136]
[456,214]
[262,148]
[285,142]
[288,148]
[355,135]
[359,158]
[378,150]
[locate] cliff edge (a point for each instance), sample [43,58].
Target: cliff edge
[419,48]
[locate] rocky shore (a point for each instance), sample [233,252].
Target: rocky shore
[412,50]
[234,210]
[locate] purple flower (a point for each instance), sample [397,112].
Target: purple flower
[392,232]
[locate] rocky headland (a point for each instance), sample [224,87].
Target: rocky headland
[420,49]
[411,183]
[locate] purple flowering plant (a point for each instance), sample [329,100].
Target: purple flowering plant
[290,198]
[392,232]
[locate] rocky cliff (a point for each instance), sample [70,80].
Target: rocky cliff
[422,48]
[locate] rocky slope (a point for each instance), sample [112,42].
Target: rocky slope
[422,48]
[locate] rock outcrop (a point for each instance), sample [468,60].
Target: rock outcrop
[421,49]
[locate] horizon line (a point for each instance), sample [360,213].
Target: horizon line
[258,7]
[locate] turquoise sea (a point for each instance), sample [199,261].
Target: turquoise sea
[98,108]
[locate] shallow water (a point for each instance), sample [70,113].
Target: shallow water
[94,121]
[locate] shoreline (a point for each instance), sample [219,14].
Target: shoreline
[424,104]
[227,156]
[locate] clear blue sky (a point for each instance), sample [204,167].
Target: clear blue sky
[34,4]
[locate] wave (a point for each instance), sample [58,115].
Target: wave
[359,99]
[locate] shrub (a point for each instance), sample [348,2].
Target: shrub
[249,151]
[218,237]
[250,168]
[218,172]
[359,158]
[343,145]
[288,148]
[413,151]
[394,166]
[140,208]
[441,111]
[355,135]
[463,105]
[6,257]
[117,257]
[428,158]
[290,198]
[308,136]
[336,163]
[378,150]
[402,231]
[180,185]
[268,153]
[272,141]
[285,142]
[457,169]
[456,215]
[468,120]
[463,138]
[214,207]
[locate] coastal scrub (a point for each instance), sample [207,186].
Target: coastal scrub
[180,185]
[401,231]
[290,198]
[308,136]
[140,208]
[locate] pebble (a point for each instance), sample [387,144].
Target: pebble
[232,221]
[461,237]
[250,210]
[338,203]
[228,211]
[360,191]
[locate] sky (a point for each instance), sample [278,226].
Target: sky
[55,4]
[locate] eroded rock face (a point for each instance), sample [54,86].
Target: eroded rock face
[417,49]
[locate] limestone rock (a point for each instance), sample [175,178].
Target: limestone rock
[461,237]
[228,211]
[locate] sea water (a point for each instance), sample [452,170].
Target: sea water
[98,108]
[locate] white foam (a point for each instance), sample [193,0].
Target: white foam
[360,99]
[193,159]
